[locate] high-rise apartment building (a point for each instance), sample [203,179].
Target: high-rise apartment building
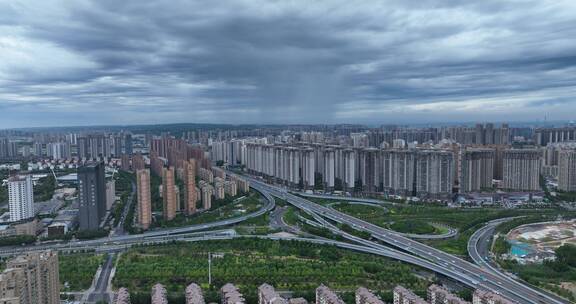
[268,295]
[12,286]
[486,297]
[349,172]
[365,296]
[206,192]
[545,136]
[477,169]
[138,162]
[194,294]
[439,295]
[405,296]
[159,295]
[110,193]
[58,150]
[567,170]
[20,197]
[434,173]
[398,172]
[219,172]
[169,194]
[123,296]
[206,175]
[521,169]
[34,277]
[329,173]
[8,149]
[125,162]
[91,195]
[128,146]
[144,207]
[190,195]
[230,188]
[325,295]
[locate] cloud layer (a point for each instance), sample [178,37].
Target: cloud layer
[126,62]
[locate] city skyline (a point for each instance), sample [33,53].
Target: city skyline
[104,63]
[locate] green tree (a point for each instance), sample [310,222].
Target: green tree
[566,254]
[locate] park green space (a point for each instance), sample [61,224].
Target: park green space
[124,182]
[413,218]
[551,275]
[44,188]
[78,270]
[299,267]
[556,276]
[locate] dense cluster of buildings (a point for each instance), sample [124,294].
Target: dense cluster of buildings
[426,163]
[230,294]
[66,146]
[175,159]
[560,164]
[423,171]
[32,278]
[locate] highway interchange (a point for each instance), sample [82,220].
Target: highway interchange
[399,247]
[470,274]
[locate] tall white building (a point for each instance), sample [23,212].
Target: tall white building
[20,197]
[477,169]
[567,170]
[521,169]
[434,172]
[58,150]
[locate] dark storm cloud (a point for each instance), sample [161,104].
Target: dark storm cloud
[294,61]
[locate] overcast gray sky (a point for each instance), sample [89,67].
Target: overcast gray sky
[132,61]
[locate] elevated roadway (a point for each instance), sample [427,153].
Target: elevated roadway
[454,267]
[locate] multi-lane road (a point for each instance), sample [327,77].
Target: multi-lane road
[473,275]
[373,202]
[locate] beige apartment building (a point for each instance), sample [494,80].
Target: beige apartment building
[144,198]
[169,194]
[31,278]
